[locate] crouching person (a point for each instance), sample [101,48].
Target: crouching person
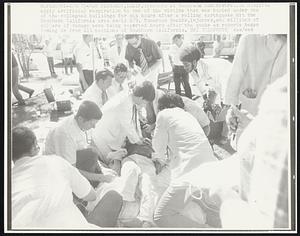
[42,187]
[66,140]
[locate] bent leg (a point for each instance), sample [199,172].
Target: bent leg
[107,211]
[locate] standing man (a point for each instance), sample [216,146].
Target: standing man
[97,92]
[48,51]
[67,56]
[87,59]
[143,56]
[217,46]
[116,53]
[180,75]
[15,83]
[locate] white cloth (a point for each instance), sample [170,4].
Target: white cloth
[49,49]
[84,56]
[116,124]
[181,133]
[259,61]
[115,88]
[213,72]
[139,171]
[94,94]
[42,197]
[66,50]
[114,57]
[174,53]
[196,110]
[65,139]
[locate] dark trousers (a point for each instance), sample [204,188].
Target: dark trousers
[50,61]
[68,62]
[181,76]
[16,86]
[88,76]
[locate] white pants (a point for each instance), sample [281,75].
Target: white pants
[139,171]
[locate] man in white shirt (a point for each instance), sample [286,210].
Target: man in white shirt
[180,75]
[217,47]
[48,50]
[116,53]
[70,135]
[98,91]
[120,80]
[120,120]
[88,60]
[205,71]
[191,106]
[259,60]
[42,188]
[180,143]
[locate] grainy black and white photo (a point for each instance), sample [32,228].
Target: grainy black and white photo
[119,120]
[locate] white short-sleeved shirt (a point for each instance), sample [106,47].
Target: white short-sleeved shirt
[174,52]
[84,55]
[65,139]
[42,197]
[66,50]
[114,57]
[181,133]
[116,124]
[94,94]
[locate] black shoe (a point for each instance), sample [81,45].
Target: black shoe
[30,94]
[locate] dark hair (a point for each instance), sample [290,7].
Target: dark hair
[170,100]
[120,67]
[23,140]
[103,75]
[130,36]
[146,91]
[177,36]
[89,110]
[190,54]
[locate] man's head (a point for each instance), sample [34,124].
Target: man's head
[103,79]
[88,115]
[190,56]
[133,39]
[170,100]
[178,39]
[87,38]
[24,143]
[119,38]
[142,94]
[120,73]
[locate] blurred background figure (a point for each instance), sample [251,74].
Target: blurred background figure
[117,51]
[201,47]
[217,46]
[49,52]
[67,56]
[181,76]
[15,83]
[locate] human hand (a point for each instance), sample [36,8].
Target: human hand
[236,118]
[117,155]
[148,128]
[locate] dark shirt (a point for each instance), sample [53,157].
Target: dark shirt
[14,61]
[150,49]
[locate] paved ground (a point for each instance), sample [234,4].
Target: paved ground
[36,114]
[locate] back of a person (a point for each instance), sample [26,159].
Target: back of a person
[109,129]
[42,196]
[187,141]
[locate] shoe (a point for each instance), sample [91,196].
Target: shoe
[22,103]
[30,94]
